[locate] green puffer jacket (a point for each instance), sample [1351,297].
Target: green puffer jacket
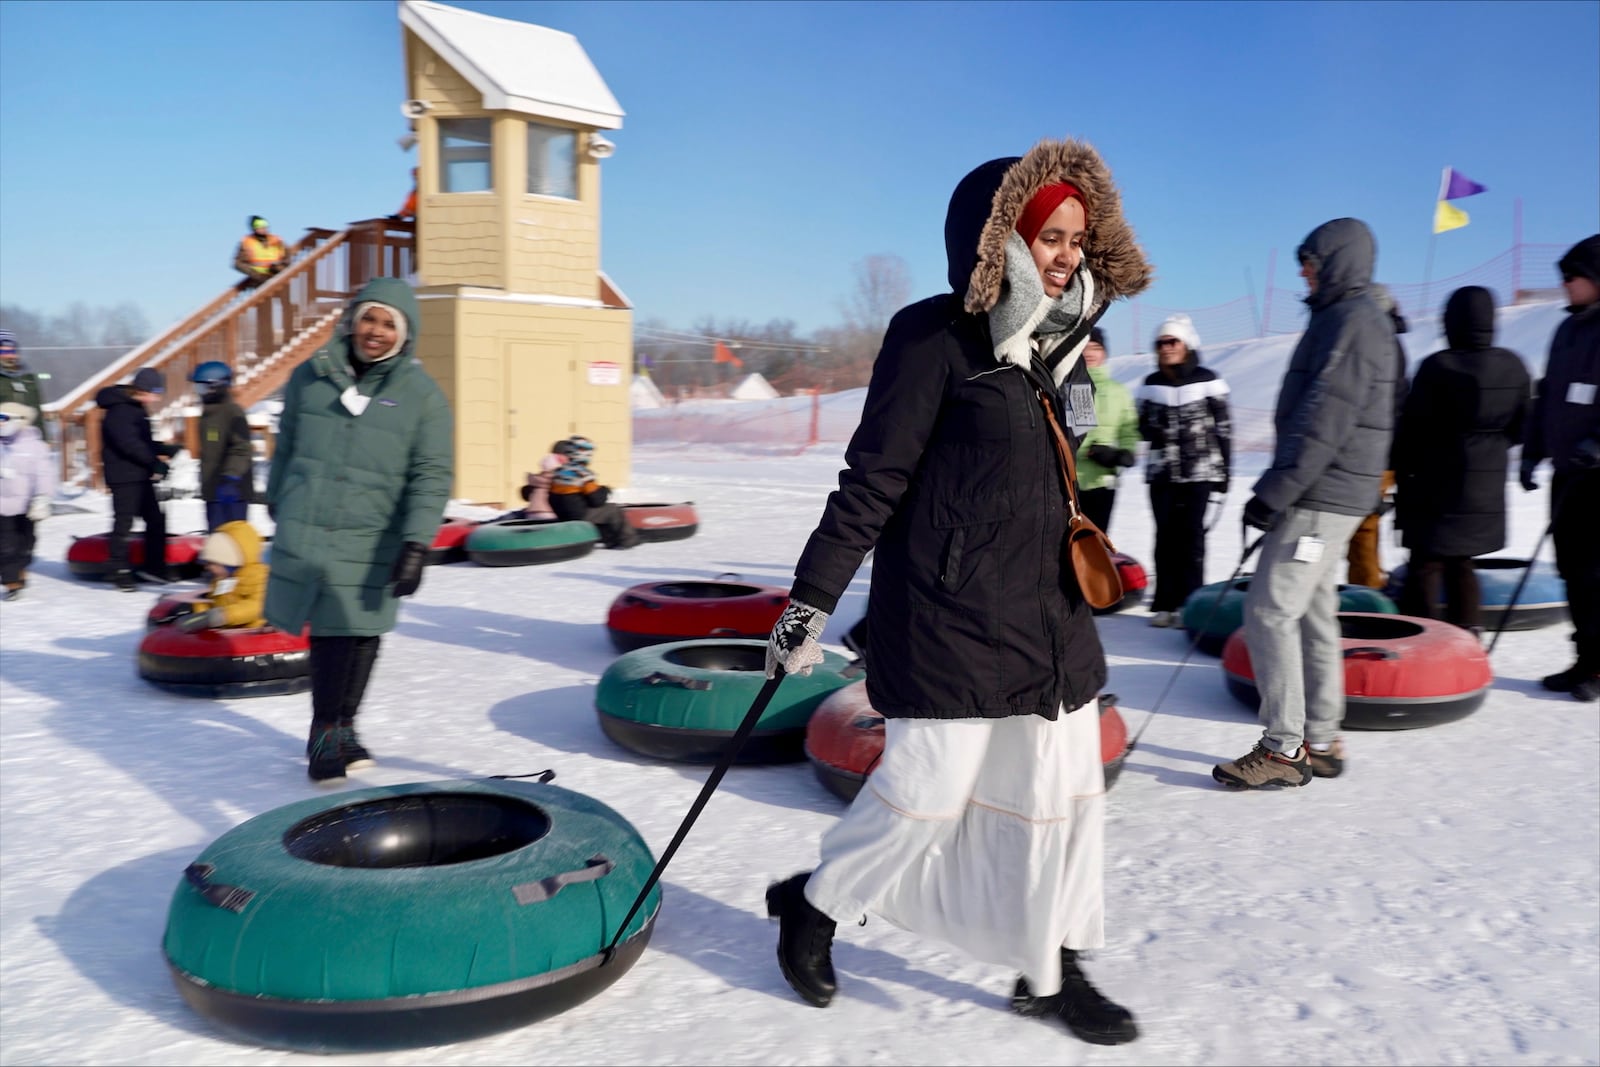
[1119,428]
[348,490]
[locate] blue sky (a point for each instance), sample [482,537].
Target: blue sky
[768,147]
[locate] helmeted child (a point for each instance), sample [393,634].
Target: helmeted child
[27,482]
[232,558]
[575,495]
[227,458]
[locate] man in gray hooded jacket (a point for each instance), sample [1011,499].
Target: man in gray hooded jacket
[1334,421]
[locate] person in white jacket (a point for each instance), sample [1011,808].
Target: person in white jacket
[27,482]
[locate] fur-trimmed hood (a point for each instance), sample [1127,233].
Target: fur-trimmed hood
[986,204]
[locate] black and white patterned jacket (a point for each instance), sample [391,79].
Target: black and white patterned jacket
[1185,418]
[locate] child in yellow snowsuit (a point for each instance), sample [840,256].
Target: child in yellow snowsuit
[232,557]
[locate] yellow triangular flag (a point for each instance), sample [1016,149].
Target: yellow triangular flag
[1446,216]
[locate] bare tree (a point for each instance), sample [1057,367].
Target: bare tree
[883,286]
[79,326]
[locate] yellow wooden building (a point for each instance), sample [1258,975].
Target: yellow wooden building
[527,336]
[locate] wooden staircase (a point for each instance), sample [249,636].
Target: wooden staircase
[262,333]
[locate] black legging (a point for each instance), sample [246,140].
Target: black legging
[1180,519]
[340,668]
[1442,587]
[1096,504]
[1575,504]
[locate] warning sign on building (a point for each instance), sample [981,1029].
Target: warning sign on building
[605,372]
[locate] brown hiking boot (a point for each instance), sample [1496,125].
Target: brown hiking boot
[1329,764]
[1262,768]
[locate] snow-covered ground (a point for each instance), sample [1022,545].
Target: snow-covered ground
[1440,903]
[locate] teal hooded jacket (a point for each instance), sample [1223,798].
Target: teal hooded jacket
[360,468]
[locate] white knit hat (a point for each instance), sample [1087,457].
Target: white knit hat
[222,548]
[21,412]
[1181,327]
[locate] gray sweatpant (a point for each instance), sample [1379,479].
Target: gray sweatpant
[1292,628]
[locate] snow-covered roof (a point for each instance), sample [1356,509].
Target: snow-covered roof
[517,66]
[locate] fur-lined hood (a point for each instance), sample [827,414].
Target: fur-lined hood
[987,203]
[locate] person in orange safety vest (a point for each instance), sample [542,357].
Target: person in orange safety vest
[261,254]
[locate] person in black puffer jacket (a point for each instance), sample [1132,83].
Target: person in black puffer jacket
[1564,427]
[982,823]
[132,463]
[1462,416]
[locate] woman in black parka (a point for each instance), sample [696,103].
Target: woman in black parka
[1463,414]
[982,823]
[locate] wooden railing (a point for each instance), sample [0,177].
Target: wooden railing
[261,333]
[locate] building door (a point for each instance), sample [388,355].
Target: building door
[540,403]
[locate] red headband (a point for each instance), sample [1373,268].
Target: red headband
[1043,203]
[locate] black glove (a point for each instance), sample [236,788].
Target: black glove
[1104,455]
[1587,455]
[1259,515]
[598,496]
[1525,476]
[793,642]
[1125,458]
[159,471]
[407,573]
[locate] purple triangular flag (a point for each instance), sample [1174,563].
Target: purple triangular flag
[1458,185]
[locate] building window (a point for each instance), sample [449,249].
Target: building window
[465,156]
[552,161]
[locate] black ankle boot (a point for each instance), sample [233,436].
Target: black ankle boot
[1082,1007]
[326,759]
[356,756]
[805,941]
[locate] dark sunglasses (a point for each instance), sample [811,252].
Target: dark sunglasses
[1168,341]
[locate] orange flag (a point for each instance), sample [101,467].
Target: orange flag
[724,354]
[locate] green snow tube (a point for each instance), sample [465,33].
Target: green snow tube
[409,915]
[685,700]
[1215,619]
[523,542]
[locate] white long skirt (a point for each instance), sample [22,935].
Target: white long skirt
[985,833]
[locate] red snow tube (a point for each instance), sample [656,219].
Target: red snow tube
[1134,581]
[226,663]
[844,740]
[1400,672]
[657,612]
[90,557]
[450,543]
[662,522]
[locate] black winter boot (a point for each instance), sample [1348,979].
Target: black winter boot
[1079,1005]
[805,941]
[326,766]
[363,654]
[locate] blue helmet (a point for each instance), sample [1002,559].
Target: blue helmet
[213,372]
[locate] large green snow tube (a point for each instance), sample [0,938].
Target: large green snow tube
[522,542]
[409,915]
[685,700]
[1215,617]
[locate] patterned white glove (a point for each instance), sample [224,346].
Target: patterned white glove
[39,508]
[793,644]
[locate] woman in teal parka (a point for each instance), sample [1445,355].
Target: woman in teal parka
[360,477]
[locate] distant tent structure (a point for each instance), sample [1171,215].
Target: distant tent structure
[644,394]
[754,387]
